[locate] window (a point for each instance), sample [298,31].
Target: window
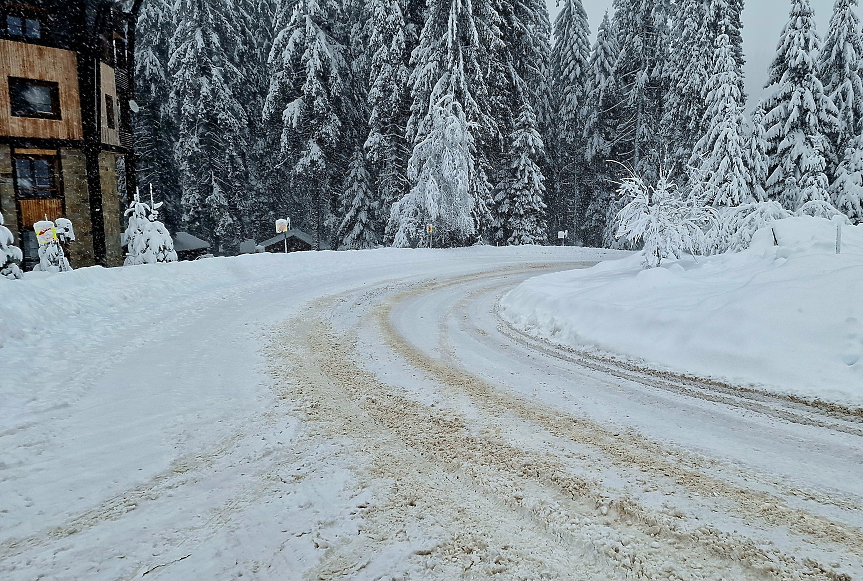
[110,112]
[22,26]
[36,177]
[31,98]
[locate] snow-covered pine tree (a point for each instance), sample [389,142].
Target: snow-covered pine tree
[311,95]
[520,204]
[155,131]
[146,239]
[757,159]
[265,189]
[569,70]
[688,69]
[212,122]
[600,127]
[847,189]
[800,115]
[389,104]
[10,255]
[641,26]
[450,125]
[442,168]
[360,208]
[720,156]
[840,72]
[520,60]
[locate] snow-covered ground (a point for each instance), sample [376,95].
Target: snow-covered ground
[368,415]
[786,318]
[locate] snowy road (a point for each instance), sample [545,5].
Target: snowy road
[389,425]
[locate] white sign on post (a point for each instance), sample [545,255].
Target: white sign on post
[282,227]
[46,232]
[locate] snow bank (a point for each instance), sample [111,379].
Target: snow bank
[786,318]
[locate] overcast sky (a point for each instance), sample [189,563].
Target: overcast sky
[762,23]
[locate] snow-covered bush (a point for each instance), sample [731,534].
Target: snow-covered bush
[735,228]
[668,222]
[51,255]
[146,239]
[10,255]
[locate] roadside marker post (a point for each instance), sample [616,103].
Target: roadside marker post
[430,232]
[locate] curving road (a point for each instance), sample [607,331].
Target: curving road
[409,433]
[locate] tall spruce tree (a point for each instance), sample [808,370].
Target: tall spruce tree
[720,156]
[521,203]
[311,96]
[359,207]
[688,69]
[757,158]
[800,115]
[840,71]
[212,123]
[450,125]
[154,127]
[388,103]
[517,82]
[569,71]
[600,128]
[641,28]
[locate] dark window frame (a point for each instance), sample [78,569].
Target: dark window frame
[26,17]
[27,235]
[56,111]
[110,112]
[54,162]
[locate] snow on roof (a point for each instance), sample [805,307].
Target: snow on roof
[183,242]
[294,233]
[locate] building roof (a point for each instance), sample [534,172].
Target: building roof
[294,233]
[184,242]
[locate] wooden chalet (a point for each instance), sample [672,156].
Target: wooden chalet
[66,148]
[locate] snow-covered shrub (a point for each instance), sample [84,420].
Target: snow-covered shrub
[735,228]
[146,239]
[668,222]
[820,209]
[10,255]
[51,255]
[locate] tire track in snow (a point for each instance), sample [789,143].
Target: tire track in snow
[625,450]
[631,540]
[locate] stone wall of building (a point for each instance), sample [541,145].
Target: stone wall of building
[112,209]
[74,168]
[7,192]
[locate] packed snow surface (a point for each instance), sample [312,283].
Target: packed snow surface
[787,318]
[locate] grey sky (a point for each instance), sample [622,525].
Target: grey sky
[762,23]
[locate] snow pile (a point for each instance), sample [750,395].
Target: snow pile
[10,255]
[786,318]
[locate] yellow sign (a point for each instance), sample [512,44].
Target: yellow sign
[430,229]
[46,233]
